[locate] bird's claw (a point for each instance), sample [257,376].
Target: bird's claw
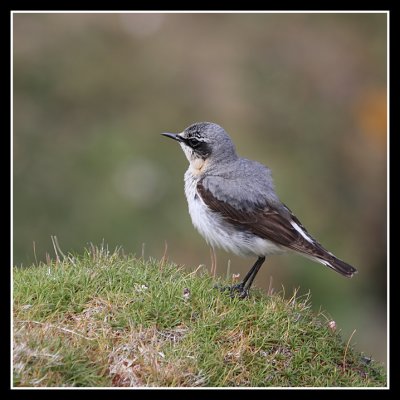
[234,291]
[221,288]
[239,291]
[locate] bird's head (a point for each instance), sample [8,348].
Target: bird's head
[205,143]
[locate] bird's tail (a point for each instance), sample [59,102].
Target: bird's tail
[337,265]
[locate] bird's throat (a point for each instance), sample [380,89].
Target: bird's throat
[197,166]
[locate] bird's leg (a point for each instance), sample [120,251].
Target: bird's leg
[243,287]
[249,281]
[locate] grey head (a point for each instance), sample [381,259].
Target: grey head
[205,141]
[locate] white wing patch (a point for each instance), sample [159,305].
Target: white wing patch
[302,233]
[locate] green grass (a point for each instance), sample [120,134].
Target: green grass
[104,319]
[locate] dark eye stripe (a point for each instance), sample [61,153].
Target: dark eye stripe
[194,143]
[199,147]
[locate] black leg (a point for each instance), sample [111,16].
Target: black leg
[243,287]
[253,271]
[248,280]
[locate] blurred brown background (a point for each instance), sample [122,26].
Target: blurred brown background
[303,93]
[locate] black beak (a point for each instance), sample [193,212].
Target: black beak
[174,136]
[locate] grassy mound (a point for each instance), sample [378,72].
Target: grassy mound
[104,319]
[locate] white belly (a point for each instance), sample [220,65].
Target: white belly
[218,233]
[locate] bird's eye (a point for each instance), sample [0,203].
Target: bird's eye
[193,143]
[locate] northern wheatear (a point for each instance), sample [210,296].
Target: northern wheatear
[233,204]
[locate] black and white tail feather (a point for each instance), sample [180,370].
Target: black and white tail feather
[316,252]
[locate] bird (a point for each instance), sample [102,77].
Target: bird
[233,204]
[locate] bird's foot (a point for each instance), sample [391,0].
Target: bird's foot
[222,288]
[237,290]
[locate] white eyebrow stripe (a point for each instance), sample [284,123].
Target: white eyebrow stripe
[302,233]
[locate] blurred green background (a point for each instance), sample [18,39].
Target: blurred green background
[303,93]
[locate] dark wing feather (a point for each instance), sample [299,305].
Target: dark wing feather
[269,223]
[265,222]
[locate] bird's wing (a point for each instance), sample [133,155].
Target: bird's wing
[262,219]
[271,220]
